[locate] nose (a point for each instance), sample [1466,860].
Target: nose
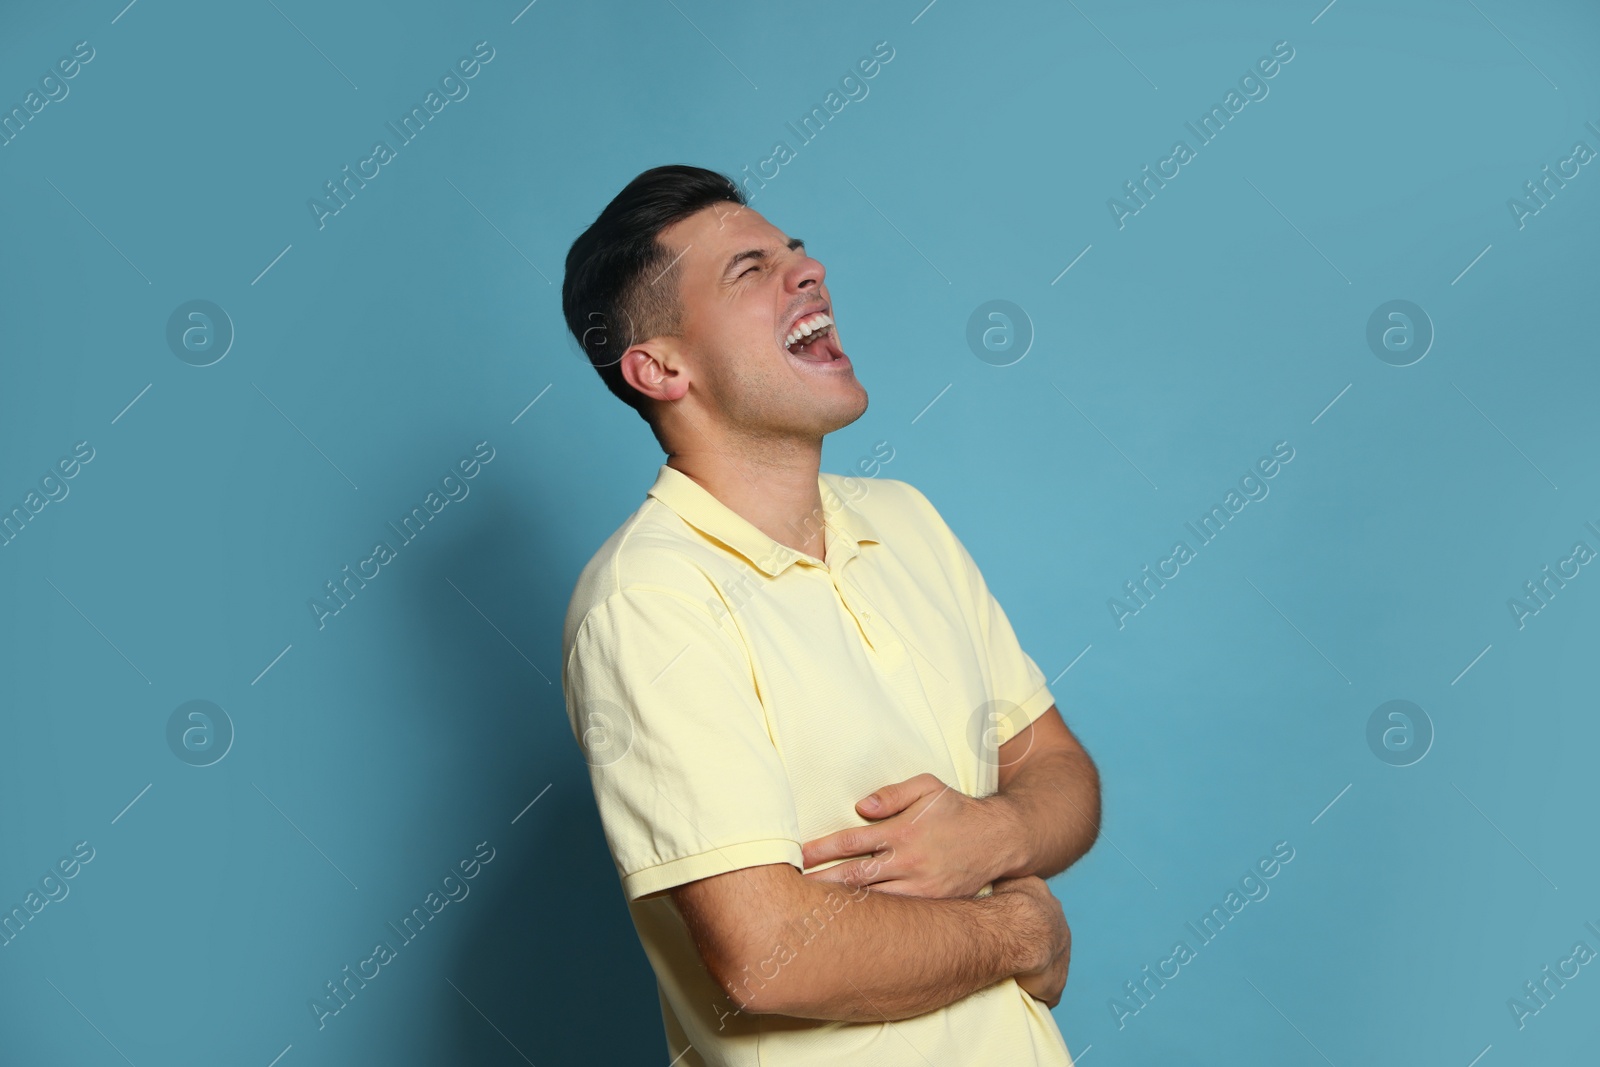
[805,273]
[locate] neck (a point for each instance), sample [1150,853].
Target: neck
[773,488]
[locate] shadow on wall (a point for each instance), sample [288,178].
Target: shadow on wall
[551,960]
[558,953]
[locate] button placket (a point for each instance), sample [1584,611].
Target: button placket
[880,635]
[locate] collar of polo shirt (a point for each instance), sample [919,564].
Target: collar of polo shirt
[846,528]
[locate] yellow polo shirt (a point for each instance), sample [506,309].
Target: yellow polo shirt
[735,697]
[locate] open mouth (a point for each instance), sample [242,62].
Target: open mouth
[813,340]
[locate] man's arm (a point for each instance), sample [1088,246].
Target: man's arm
[779,943]
[1050,788]
[934,841]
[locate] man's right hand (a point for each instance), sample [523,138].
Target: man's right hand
[1045,928]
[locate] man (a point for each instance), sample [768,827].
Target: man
[830,779]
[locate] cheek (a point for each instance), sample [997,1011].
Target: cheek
[742,367]
[759,386]
[753,378]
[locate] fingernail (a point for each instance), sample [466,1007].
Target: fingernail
[871,803]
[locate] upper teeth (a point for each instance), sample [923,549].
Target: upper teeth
[811,324]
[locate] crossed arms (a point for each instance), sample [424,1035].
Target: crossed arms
[894,931]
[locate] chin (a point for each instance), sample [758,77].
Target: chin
[845,413]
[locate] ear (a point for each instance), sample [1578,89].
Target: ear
[655,368]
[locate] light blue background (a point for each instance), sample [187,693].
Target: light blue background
[1228,315]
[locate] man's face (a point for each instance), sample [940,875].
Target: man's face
[745,287]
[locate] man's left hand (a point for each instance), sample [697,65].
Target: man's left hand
[927,839]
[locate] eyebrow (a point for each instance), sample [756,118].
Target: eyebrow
[757,254]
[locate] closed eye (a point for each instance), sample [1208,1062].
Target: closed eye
[757,255]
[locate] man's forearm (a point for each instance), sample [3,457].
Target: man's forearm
[1050,809]
[856,954]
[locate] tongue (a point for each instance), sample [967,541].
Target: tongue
[813,350]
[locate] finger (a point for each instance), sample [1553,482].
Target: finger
[895,798]
[853,872]
[861,882]
[842,844]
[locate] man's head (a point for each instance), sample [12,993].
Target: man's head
[684,300]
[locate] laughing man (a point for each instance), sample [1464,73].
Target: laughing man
[831,780]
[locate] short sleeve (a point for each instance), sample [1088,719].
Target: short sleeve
[1014,678]
[688,782]
[1015,682]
